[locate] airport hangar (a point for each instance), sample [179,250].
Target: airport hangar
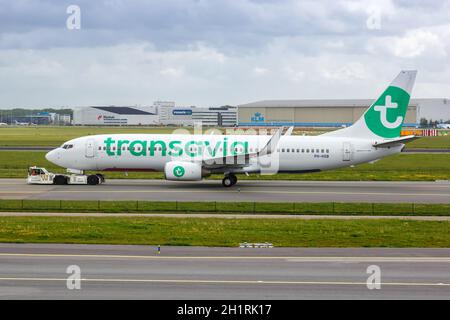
[330,113]
[301,113]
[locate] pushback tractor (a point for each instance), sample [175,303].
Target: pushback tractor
[39,175]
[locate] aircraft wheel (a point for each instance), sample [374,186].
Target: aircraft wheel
[93,180]
[227,181]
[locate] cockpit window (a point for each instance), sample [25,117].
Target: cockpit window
[35,172]
[67,146]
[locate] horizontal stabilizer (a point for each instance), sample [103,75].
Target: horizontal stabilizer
[395,142]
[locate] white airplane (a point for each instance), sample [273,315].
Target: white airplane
[192,157]
[17,123]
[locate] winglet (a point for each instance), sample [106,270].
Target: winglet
[289,131]
[271,146]
[241,160]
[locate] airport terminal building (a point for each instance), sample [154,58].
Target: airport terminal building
[161,113]
[114,116]
[225,116]
[330,113]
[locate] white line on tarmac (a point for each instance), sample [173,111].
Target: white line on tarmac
[256,282]
[287,258]
[263,182]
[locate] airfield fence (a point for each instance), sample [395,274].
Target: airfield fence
[328,208]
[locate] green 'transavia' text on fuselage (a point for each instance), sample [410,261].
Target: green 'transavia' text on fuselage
[175,148]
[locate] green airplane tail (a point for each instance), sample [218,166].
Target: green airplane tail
[385,117]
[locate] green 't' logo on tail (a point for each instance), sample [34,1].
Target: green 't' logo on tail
[385,117]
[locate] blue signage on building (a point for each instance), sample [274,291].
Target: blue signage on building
[182,112]
[258,117]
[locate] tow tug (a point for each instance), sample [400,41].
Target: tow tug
[39,175]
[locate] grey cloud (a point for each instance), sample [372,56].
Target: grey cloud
[174,24]
[214,52]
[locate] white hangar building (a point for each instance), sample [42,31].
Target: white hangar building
[331,113]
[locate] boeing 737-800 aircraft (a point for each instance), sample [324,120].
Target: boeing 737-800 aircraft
[192,157]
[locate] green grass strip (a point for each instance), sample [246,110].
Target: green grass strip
[225,232]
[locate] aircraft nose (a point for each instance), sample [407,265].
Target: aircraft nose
[51,156]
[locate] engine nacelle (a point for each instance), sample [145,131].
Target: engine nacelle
[184,171]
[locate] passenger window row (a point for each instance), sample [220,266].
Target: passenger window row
[284,150]
[304,150]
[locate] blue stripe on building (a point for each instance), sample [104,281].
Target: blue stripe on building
[306,124]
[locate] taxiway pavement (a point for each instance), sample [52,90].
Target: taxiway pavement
[39,271]
[245,190]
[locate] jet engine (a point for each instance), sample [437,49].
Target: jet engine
[184,171]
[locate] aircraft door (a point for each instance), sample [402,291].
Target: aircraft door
[90,148]
[347,151]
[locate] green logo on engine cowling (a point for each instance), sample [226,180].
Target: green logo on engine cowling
[386,115]
[178,171]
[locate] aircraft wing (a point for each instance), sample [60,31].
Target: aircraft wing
[394,142]
[242,160]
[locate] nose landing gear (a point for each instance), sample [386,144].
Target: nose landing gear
[229,180]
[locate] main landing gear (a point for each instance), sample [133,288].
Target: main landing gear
[229,180]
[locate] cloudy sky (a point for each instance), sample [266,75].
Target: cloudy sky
[215,52]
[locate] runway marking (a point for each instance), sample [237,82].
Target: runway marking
[263,183]
[287,258]
[257,282]
[119,181]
